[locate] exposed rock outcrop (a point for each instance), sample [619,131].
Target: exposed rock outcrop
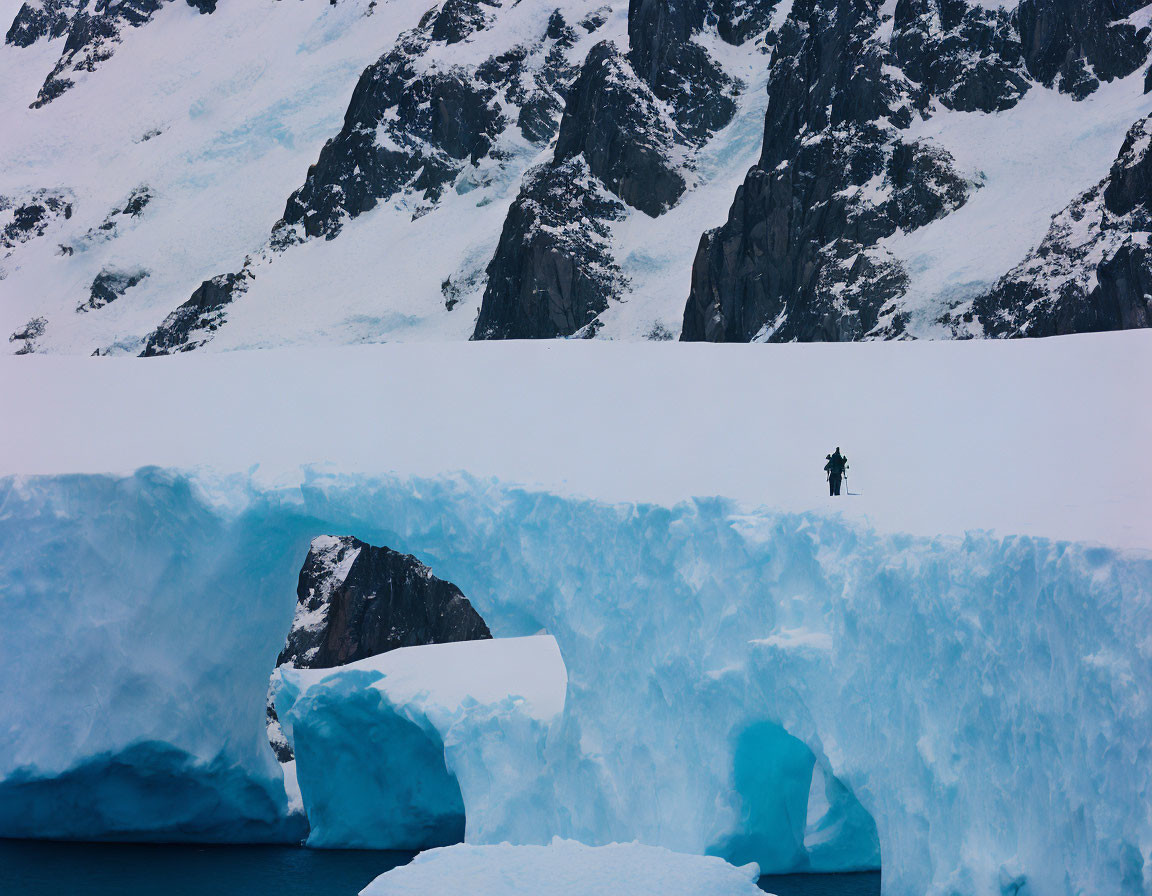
[193,323]
[1076,44]
[553,271]
[614,121]
[416,122]
[797,258]
[404,129]
[41,20]
[32,215]
[700,96]
[109,285]
[968,57]
[27,335]
[355,601]
[631,122]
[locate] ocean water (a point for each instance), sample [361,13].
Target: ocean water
[49,868]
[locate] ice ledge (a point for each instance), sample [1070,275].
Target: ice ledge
[401,750]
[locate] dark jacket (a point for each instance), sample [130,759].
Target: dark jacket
[837,464]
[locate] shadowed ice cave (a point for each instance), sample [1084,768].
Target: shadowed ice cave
[795,815]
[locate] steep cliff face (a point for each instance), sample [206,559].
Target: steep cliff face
[355,600]
[802,256]
[797,259]
[553,272]
[1093,271]
[613,120]
[1076,44]
[634,118]
[41,20]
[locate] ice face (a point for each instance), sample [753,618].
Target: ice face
[986,700]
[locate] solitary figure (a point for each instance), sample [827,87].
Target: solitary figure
[835,468]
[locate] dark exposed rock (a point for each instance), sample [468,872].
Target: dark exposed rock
[132,207]
[613,119]
[28,334]
[1093,271]
[457,19]
[110,285]
[1079,43]
[93,35]
[404,130]
[94,29]
[194,322]
[552,272]
[355,601]
[700,96]
[925,186]
[738,20]
[1124,298]
[796,258]
[41,19]
[32,215]
[595,19]
[542,104]
[410,130]
[968,57]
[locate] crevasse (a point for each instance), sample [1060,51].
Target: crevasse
[985,700]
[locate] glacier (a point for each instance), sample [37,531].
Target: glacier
[975,707]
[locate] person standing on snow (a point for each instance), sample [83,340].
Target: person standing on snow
[837,464]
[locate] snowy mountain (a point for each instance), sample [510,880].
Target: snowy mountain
[199,175]
[355,601]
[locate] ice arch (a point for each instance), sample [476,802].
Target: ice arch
[986,699]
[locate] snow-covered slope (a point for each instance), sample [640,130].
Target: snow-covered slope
[739,682]
[254,174]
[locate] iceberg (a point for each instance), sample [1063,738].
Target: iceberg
[567,867]
[793,689]
[390,749]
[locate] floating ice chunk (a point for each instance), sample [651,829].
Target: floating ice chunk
[565,867]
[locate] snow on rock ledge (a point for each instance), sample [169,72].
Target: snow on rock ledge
[565,867]
[391,750]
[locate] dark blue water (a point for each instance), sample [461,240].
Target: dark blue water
[46,868]
[856,883]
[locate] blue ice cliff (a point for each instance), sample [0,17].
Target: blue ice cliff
[789,689]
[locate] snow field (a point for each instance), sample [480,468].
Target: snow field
[1037,437]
